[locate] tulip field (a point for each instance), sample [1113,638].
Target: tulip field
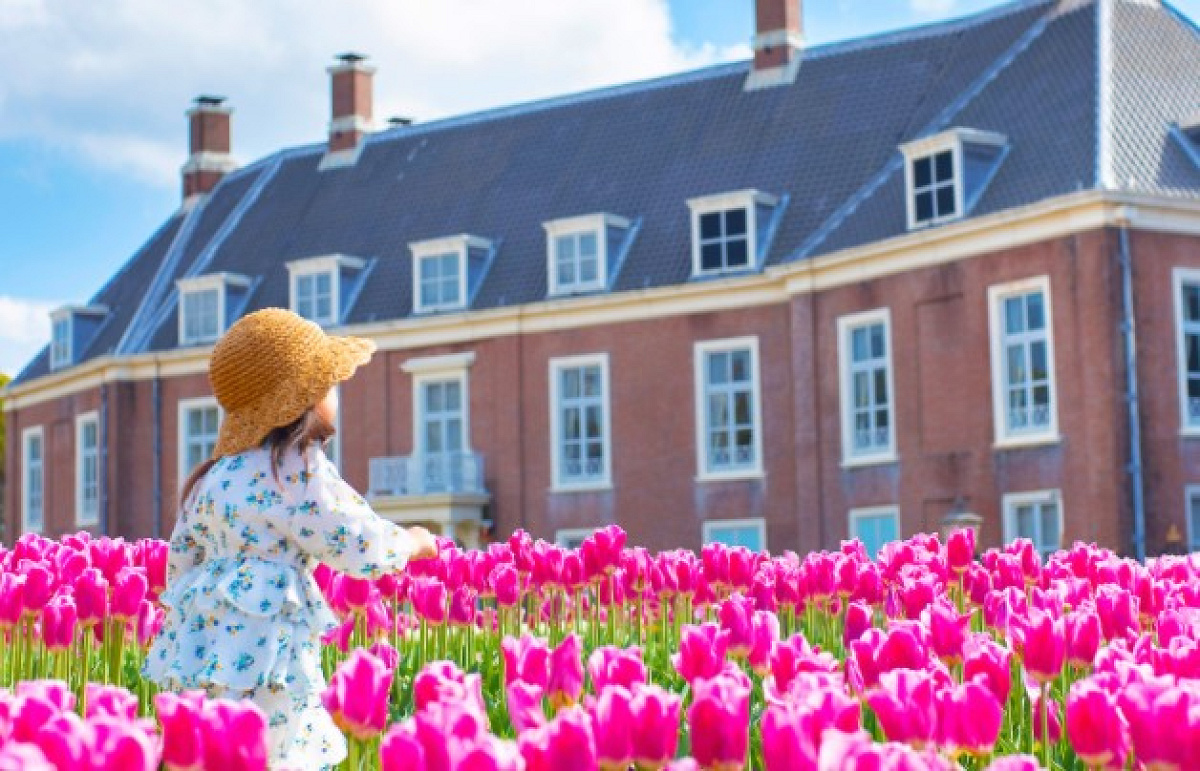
[530,656]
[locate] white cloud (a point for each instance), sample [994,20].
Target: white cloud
[933,7]
[110,81]
[24,329]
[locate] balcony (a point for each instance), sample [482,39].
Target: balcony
[445,493]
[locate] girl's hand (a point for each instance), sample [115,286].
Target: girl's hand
[424,544]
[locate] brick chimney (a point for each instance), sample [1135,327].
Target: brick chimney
[778,43]
[208,145]
[350,85]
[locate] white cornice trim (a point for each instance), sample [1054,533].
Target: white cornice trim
[443,363]
[1053,218]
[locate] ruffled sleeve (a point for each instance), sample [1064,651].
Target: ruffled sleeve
[334,524]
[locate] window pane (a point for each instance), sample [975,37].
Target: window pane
[735,223]
[924,207]
[566,248]
[1014,316]
[588,270]
[1191,303]
[572,427]
[718,368]
[1037,351]
[1035,304]
[877,342]
[858,344]
[710,226]
[741,366]
[1016,365]
[945,201]
[453,396]
[592,381]
[1051,538]
[1024,522]
[922,172]
[741,408]
[324,283]
[737,253]
[434,398]
[1194,522]
[945,166]
[566,272]
[881,386]
[587,245]
[862,389]
[571,387]
[710,257]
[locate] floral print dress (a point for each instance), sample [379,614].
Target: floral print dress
[244,613]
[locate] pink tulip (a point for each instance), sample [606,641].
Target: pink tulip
[612,726]
[793,656]
[1118,611]
[1015,763]
[12,598]
[609,665]
[1162,721]
[906,706]
[526,659]
[960,550]
[429,600]
[1095,727]
[150,619]
[947,630]
[91,596]
[357,695]
[120,744]
[1044,646]
[58,623]
[858,619]
[1083,637]
[401,750]
[505,583]
[151,554]
[444,682]
[989,663]
[39,587]
[525,705]
[385,652]
[701,652]
[566,673]
[969,718]
[235,736]
[736,617]
[182,731]
[786,745]
[719,719]
[566,742]
[655,725]
[110,701]
[339,636]
[462,606]
[127,594]
[764,635]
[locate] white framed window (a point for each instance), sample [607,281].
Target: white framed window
[580,424]
[875,526]
[317,286]
[442,422]
[868,410]
[87,469]
[1192,510]
[1022,343]
[61,332]
[572,538]
[728,409]
[33,481]
[728,230]
[203,303]
[945,172]
[1037,516]
[578,252]
[441,271]
[199,421]
[1187,330]
[751,533]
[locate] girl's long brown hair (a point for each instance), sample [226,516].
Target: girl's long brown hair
[302,433]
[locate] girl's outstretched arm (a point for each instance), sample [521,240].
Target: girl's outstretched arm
[335,525]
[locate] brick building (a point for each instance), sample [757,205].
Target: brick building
[864,288]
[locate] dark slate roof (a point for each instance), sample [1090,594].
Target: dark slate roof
[828,144]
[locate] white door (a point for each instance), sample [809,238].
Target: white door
[442,434]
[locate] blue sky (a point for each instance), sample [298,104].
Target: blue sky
[91,139]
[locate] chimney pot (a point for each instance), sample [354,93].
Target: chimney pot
[209,144]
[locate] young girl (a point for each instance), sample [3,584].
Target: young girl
[244,614]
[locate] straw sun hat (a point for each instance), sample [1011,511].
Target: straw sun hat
[270,367]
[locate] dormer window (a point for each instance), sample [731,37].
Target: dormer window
[320,287]
[204,304]
[71,329]
[730,231]
[60,343]
[945,174]
[447,271]
[583,252]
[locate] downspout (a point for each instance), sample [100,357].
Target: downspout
[156,401]
[102,477]
[1129,338]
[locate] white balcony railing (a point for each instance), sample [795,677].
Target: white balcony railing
[458,472]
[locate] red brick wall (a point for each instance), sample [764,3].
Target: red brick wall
[942,400]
